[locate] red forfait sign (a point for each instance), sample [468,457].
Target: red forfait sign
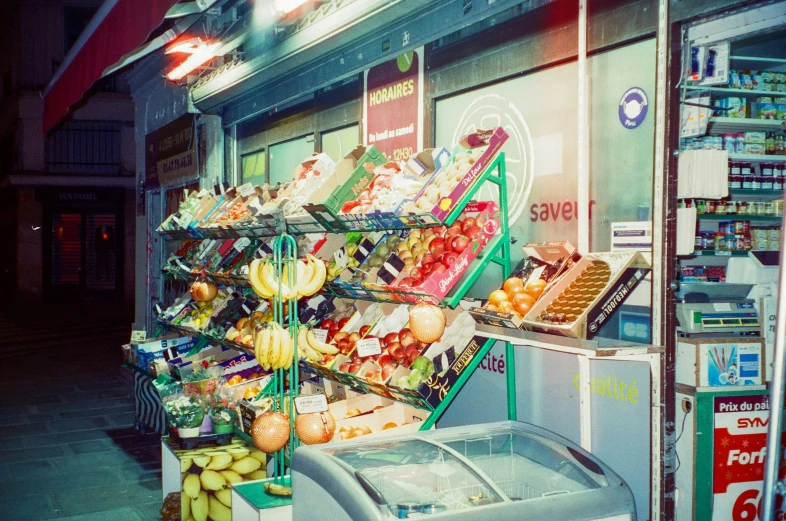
[393,106]
[740,447]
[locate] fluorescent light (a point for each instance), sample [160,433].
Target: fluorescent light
[283,7]
[189,46]
[199,57]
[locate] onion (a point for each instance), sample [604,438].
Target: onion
[270,431]
[203,291]
[427,322]
[315,427]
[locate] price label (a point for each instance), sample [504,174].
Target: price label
[242,243]
[310,404]
[368,347]
[246,190]
[138,336]
[321,334]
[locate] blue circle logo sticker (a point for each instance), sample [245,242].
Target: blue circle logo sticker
[633,108]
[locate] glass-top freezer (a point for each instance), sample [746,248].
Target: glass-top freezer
[506,470]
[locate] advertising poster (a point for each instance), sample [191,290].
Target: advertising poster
[739,441]
[170,154]
[393,106]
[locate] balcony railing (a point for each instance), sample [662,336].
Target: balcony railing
[86,149]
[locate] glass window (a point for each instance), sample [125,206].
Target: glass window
[253,168]
[338,143]
[286,156]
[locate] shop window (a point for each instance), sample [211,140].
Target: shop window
[338,143]
[253,168]
[286,156]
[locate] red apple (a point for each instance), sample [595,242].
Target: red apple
[448,259]
[416,273]
[439,268]
[353,367]
[406,337]
[327,324]
[343,322]
[453,230]
[341,335]
[393,347]
[385,358]
[428,258]
[459,243]
[473,232]
[406,282]
[469,222]
[387,370]
[354,337]
[439,230]
[412,357]
[343,345]
[436,245]
[364,330]
[332,333]
[371,374]
[426,270]
[412,348]
[344,367]
[391,337]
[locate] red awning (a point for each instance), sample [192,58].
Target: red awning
[125,25]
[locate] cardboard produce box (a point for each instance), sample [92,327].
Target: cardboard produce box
[353,173]
[394,418]
[735,361]
[581,300]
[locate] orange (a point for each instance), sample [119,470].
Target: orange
[535,288]
[497,297]
[512,284]
[523,303]
[506,307]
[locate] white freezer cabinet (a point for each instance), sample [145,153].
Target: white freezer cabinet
[498,471]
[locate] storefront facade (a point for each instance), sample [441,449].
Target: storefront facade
[507,64]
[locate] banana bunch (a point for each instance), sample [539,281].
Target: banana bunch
[310,277]
[311,348]
[273,347]
[207,478]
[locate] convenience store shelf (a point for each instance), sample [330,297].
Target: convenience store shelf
[736,93]
[739,217]
[758,158]
[720,253]
[746,194]
[724,125]
[757,62]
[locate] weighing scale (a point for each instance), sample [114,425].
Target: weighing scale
[711,308]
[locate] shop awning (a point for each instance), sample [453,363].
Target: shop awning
[118,27]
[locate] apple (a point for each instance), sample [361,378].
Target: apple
[412,348]
[419,257]
[391,337]
[468,223]
[327,324]
[353,367]
[453,230]
[427,259]
[426,270]
[354,337]
[439,230]
[343,322]
[393,347]
[406,337]
[416,273]
[407,282]
[344,367]
[388,370]
[448,259]
[473,232]
[435,245]
[439,268]
[385,358]
[364,330]
[411,358]
[438,251]
[397,351]
[371,373]
[427,242]
[332,333]
[459,243]
[343,346]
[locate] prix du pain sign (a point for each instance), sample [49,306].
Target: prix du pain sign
[740,447]
[393,106]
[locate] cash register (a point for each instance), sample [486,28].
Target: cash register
[716,308]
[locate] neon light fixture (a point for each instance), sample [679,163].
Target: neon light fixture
[200,52]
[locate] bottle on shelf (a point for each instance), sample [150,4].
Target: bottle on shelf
[780,145]
[769,143]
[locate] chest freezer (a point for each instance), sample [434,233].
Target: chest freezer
[501,471]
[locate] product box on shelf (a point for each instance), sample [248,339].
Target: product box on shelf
[160,348]
[579,303]
[437,284]
[352,175]
[394,418]
[182,366]
[720,361]
[470,158]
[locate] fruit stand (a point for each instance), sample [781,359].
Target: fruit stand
[330,317]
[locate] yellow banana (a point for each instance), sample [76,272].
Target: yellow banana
[231,476]
[287,351]
[212,480]
[185,507]
[199,507]
[225,496]
[185,464]
[246,465]
[254,280]
[267,278]
[262,346]
[191,486]
[257,474]
[319,346]
[218,511]
[318,280]
[274,352]
[220,462]
[306,351]
[202,461]
[305,273]
[277,490]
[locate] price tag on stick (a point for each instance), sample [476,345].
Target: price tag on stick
[368,347]
[310,404]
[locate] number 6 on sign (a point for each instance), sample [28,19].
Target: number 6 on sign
[746,508]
